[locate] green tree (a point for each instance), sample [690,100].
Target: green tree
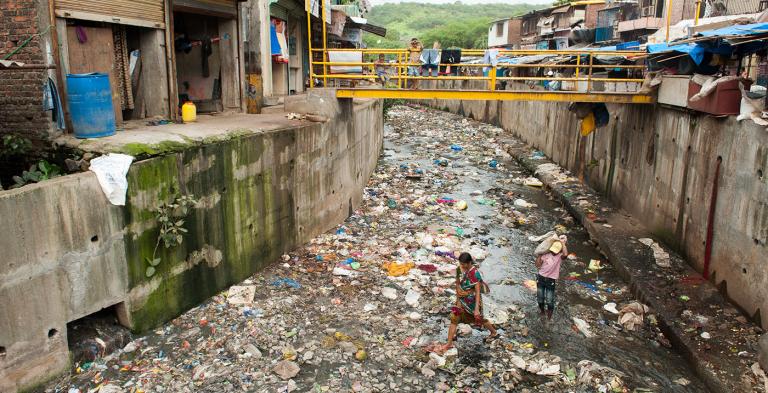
[454,24]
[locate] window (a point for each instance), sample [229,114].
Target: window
[499,29]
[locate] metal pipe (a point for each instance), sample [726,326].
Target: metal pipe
[589,77]
[309,45]
[698,11]
[669,17]
[514,52]
[358,63]
[711,220]
[481,78]
[325,43]
[578,62]
[29,67]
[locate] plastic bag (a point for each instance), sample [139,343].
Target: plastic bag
[588,124]
[111,171]
[544,246]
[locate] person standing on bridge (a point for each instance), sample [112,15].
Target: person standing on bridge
[414,61]
[548,265]
[382,72]
[469,301]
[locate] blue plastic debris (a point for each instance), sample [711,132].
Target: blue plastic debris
[252,312]
[456,148]
[493,164]
[287,282]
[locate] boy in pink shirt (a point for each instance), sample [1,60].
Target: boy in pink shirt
[549,272]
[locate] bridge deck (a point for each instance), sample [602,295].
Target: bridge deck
[498,95]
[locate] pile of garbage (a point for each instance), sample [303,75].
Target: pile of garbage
[364,307]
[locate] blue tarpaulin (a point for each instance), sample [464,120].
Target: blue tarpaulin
[695,51]
[751,29]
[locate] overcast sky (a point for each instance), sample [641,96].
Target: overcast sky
[375,2]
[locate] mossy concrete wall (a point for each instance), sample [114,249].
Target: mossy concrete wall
[658,164]
[69,253]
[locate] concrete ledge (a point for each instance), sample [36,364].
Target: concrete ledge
[717,360]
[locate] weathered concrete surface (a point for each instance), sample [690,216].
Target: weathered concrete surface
[658,164]
[264,185]
[723,361]
[63,258]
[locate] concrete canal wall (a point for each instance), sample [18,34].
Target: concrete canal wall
[68,253]
[660,164]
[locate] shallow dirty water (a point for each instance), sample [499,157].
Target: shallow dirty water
[320,319]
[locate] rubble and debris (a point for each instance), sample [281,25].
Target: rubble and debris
[661,256]
[239,295]
[632,314]
[364,307]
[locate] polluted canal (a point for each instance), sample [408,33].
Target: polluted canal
[358,308]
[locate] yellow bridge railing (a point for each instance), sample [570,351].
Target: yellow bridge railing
[518,75]
[580,77]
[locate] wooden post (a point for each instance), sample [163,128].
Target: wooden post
[251,41]
[230,65]
[59,73]
[170,62]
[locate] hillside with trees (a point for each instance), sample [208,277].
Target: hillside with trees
[453,25]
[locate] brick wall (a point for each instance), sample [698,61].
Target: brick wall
[513,35]
[590,19]
[21,90]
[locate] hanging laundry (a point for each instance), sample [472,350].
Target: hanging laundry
[430,57]
[206,50]
[82,37]
[491,57]
[450,56]
[278,44]
[602,117]
[52,102]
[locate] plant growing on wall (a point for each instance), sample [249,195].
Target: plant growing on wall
[14,146]
[43,170]
[171,217]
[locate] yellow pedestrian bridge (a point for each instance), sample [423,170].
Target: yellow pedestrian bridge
[577,75]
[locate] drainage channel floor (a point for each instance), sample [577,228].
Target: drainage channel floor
[360,307]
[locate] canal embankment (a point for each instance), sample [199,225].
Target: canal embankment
[262,184]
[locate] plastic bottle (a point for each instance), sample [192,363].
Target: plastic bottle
[189,112]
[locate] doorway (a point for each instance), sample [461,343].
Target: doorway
[206,57]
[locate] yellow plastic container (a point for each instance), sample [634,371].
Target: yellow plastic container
[188,112]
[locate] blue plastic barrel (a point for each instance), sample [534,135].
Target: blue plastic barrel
[90,104]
